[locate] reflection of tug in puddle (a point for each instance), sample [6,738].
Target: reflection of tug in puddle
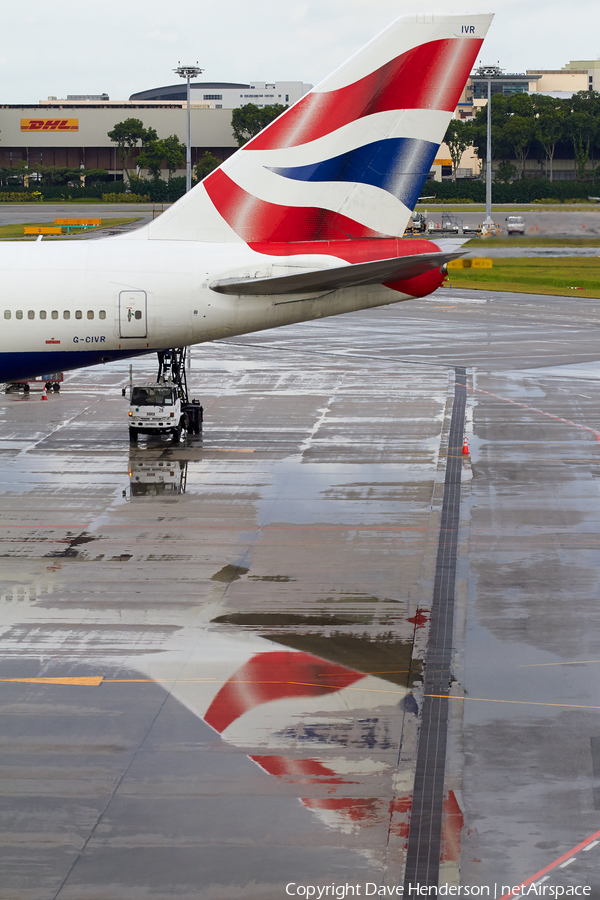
[153,476]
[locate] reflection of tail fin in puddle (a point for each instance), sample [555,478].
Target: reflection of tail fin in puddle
[452,825]
[339,811]
[275,676]
[276,697]
[350,813]
[300,771]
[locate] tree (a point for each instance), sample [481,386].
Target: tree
[248,120]
[505,171]
[126,135]
[174,153]
[499,115]
[169,151]
[206,165]
[549,126]
[518,131]
[459,136]
[582,127]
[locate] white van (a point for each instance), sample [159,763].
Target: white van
[515,225]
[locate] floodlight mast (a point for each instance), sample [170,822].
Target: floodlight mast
[489,72]
[188,72]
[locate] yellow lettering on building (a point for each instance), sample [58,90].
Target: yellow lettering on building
[49,124]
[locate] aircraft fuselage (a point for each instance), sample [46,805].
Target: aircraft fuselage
[78,303]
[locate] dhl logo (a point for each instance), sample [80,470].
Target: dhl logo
[49,124]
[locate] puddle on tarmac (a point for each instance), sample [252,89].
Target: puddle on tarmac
[229,573]
[283,620]
[382,655]
[278,578]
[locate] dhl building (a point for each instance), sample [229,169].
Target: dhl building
[76,135]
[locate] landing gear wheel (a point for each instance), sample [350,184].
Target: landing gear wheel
[133,435]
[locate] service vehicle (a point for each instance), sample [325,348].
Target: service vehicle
[417,223]
[447,224]
[51,383]
[489,229]
[163,406]
[156,409]
[515,225]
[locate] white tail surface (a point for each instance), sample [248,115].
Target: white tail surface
[349,159]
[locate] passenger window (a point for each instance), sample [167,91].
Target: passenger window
[102,314]
[138,314]
[30,314]
[19,314]
[78,314]
[7,313]
[66,314]
[42,313]
[90,313]
[54,314]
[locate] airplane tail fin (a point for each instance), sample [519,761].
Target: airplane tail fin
[349,159]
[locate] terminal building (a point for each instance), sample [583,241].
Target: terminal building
[73,132]
[224,95]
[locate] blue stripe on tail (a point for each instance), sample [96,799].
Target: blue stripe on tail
[397,165]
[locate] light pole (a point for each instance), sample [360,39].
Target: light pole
[489,72]
[188,72]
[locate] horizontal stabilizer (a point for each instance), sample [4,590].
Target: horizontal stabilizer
[380,271]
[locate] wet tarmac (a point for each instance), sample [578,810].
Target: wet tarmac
[578,220]
[24,213]
[582,220]
[220,644]
[488,249]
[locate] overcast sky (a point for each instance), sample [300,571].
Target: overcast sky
[73,47]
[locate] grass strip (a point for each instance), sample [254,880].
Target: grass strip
[485,244]
[515,209]
[15,232]
[490,243]
[569,276]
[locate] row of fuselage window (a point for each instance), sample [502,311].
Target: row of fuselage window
[31,314]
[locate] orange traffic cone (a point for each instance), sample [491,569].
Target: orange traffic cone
[465,448]
[44,397]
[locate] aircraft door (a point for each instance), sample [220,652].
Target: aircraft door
[133,314]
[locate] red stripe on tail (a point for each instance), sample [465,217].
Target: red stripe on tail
[352,251]
[257,220]
[430,76]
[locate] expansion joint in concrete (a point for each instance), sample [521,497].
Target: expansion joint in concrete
[425,835]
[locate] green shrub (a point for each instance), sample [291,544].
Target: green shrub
[125,198]
[20,196]
[526,190]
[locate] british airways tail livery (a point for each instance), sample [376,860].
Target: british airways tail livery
[304,221]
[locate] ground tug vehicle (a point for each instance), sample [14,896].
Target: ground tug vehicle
[163,406]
